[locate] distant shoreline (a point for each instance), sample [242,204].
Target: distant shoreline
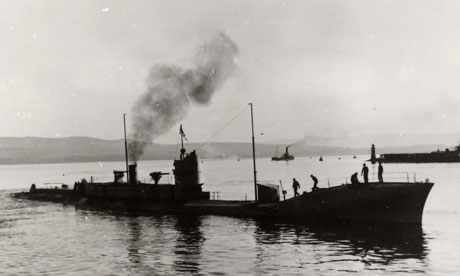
[37,150]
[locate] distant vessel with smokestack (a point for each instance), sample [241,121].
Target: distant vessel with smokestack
[285,157]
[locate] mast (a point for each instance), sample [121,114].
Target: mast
[254,155]
[126,150]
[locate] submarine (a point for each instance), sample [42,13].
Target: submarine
[396,202]
[393,202]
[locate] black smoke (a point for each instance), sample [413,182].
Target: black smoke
[171,91]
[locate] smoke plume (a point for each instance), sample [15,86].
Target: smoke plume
[171,91]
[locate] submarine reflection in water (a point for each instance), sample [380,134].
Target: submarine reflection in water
[373,243]
[188,243]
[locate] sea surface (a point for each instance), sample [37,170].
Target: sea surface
[40,238]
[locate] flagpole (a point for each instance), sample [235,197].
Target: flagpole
[182,147]
[182,134]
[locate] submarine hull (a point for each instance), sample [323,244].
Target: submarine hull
[394,202]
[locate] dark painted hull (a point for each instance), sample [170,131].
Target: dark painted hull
[382,202]
[389,202]
[283,158]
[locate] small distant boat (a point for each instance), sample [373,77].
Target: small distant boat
[320,158]
[285,157]
[354,156]
[340,158]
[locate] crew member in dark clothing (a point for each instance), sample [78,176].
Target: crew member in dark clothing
[380,172]
[365,173]
[295,186]
[354,178]
[315,182]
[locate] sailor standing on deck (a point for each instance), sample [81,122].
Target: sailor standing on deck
[315,182]
[295,186]
[380,172]
[365,173]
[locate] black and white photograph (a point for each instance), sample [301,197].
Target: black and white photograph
[229,137]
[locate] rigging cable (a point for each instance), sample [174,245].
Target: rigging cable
[221,111]
[222,128]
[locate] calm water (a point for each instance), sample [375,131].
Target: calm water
[54,239]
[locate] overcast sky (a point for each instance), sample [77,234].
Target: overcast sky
[324,68]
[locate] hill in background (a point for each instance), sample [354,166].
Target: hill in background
[36,150]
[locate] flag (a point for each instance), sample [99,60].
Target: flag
[182,133]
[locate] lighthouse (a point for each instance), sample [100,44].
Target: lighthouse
[373,158]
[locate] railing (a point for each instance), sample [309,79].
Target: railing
[166,179]
[372,177]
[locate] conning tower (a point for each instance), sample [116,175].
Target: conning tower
[186,172]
